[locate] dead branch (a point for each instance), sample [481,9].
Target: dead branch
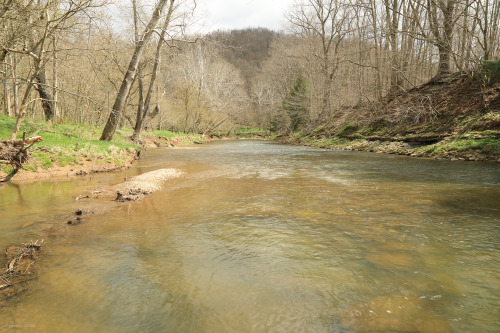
[15,153]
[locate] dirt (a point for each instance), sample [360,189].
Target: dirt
[83,168]
[86,167]
[432,121]
[152,141]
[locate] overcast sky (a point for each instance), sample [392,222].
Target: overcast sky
[238,14]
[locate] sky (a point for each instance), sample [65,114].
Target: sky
[239,14]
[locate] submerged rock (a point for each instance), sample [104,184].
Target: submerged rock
[392,260]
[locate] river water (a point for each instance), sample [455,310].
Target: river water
[261,237]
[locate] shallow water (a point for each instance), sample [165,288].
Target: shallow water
[261,237]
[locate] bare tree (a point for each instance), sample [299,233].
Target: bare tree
[328,22]
[121,97]
[442,16]
[144,104]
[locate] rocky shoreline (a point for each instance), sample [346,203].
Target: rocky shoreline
[440,150]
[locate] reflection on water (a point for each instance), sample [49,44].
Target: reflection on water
[259,237]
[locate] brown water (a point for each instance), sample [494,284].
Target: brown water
[260,237]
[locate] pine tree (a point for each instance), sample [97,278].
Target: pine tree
[296,104]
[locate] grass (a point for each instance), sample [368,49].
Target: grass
[68,144]
[170,134]
[463,145]
[248,130]
[73,144]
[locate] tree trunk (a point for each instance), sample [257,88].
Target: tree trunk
[444,62]
[14,84]
[54,80]
[141,114]
[44,92]
[109,129]
[22,110]
[7,101]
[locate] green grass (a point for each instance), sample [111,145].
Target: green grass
[347,129]
[248,130]
[170,135]
[68,144]
[462,145]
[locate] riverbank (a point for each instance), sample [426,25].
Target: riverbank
[75,149]
[457,119]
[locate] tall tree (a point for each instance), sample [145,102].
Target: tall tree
[121,97]
[442,17]
[144,104]
[328,22]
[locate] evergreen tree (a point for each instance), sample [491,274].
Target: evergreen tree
[296,104]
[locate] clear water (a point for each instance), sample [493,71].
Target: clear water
[261,237]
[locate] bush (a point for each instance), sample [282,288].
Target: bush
[490,71]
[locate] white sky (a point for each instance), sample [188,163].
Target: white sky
[239,14]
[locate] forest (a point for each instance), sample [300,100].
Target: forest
[64,61]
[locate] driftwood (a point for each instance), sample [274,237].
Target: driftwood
[15,153]
[28,141]
[18,269]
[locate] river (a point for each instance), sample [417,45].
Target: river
[262,237]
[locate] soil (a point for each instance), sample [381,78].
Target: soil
[457,119]
[84,168]
[88,167]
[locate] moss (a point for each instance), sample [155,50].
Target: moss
[347,129]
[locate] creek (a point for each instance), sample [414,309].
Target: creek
[262,237]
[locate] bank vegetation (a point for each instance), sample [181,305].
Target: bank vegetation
[418,75]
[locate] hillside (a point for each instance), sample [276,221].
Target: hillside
[246,49]
[457,118]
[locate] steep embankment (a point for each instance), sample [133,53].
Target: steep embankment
[457,119]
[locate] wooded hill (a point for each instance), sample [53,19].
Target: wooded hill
[457,119]
[336,62]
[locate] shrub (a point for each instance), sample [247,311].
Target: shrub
[490,71]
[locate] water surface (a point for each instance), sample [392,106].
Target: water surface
[261,237]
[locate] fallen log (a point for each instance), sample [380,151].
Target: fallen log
[28,141]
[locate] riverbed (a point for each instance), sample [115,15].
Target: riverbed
[262,237]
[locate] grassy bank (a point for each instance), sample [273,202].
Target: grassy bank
[457,120]
[70,149]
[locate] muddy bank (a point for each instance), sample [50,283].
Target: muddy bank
[153,141]
[19,263]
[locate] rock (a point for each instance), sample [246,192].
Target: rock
[76,221]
